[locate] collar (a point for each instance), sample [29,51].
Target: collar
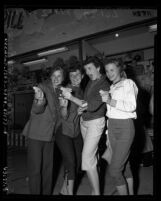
[118,81]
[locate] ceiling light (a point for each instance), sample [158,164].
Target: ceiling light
[153,27]
[61,49]
[116,35]
[35,62]
[10,62]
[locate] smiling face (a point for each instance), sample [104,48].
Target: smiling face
[92,72]
[57,78]
[113,72]
[75,77]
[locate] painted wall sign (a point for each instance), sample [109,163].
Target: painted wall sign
[142,13]
[13,19]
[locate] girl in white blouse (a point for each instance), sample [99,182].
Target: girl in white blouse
[121,110]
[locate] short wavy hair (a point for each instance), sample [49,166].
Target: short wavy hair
[117,61]
[96,61]
[57,68]
[75,67]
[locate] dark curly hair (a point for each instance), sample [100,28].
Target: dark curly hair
[96,62]
[75,67]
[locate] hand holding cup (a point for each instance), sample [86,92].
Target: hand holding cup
[63,102]
[66,92]
[38,93]
[105,95]
[82,108]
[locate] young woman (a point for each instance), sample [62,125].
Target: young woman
[44,121]
[69,139]
[92,112]
[121,110]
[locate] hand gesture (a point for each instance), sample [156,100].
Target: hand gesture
[105,95]
[38,93]
[63,102]
[84,104]
[82,108]
[66,92]
[65,89]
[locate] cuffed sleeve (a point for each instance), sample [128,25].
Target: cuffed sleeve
[130,94]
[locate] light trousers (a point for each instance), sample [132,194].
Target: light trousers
[91,132]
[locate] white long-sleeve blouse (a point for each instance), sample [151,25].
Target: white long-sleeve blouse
[125,93]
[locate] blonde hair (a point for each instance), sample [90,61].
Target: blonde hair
[118,62]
